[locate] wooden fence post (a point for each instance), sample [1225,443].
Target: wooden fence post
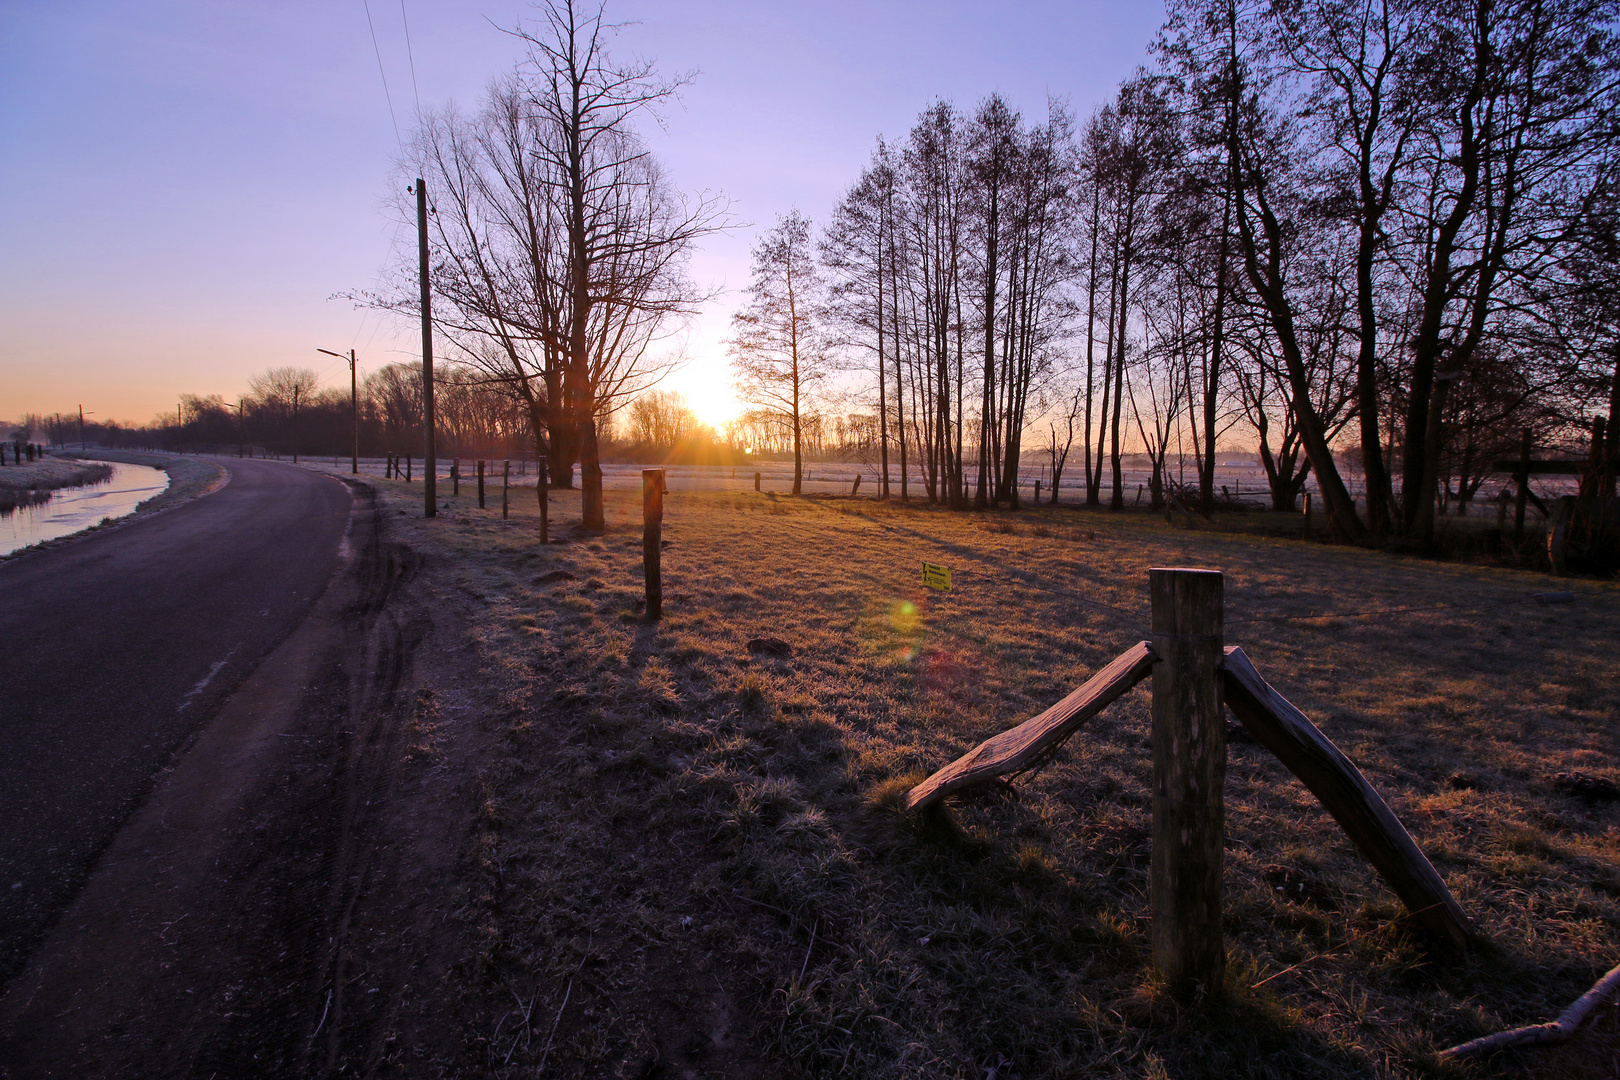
[652,540]
[1037,492]
[506,482]
[756,481]
[455,476]
[407,468]
[1307,513]
[856,487]
[1524,488]
[480,484]
[1189,772]
[542,487]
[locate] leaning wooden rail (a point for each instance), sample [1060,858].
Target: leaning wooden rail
[1310,755]
[1559,1031]
[1278,726]
[1018,748]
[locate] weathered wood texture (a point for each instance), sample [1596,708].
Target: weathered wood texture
[652,540]
[1189,779]
[1310,755]
[1021,747]
[1559,1031]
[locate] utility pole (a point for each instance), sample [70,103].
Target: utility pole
[430,462]
[354,407]
[81,427]
[241,431]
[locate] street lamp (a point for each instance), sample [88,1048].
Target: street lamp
[354,406]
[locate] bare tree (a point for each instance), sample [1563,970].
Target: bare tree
[776,348]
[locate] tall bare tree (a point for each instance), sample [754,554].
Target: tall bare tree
[777,350]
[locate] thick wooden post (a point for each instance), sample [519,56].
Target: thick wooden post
[1037,492]
[407,468]
[1524,487]
[652,540]
[480,485]
[542,488]
[455,476]
[855,487]
[1189,772]
[506,482]
[756,481]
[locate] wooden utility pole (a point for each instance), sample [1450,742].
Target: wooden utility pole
[652,540]
[430,458]
[1189,772]
[81,427]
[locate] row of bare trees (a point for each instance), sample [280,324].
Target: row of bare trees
[559,246]
[1370,237]
[286,411]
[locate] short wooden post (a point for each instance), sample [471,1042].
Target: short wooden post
[542,488]
[455,476]
[1037,491]
[1307,512]
[506,482]
[1524,487]
[388,466]
[407,468]
[480,484]
[855,487]
[756,481]
[652,540]
[1189,772]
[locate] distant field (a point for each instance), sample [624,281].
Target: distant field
[679,818]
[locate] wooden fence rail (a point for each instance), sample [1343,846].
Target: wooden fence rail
[1194,675]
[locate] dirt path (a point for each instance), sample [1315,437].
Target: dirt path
[285,903]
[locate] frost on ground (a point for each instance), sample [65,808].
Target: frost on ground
[691,859]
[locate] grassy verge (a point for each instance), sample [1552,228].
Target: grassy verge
[690,856]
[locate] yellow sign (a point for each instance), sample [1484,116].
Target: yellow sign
[936,577]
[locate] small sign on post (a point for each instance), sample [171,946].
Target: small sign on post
[936,576]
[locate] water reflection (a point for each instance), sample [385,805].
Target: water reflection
[72,510]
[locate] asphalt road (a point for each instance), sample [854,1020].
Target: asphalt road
[114,650]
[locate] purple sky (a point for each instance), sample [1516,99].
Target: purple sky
[183,183]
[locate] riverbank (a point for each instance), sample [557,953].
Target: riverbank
[30,484]
[189,477]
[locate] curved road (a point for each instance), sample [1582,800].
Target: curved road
[117,647]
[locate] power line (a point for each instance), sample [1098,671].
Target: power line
[378,51]
[417,94]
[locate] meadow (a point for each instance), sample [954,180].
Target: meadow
[691,855]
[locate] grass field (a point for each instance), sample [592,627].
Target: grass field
[690,857]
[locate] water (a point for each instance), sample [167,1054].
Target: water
[72,510]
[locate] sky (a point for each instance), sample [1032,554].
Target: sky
[187,187]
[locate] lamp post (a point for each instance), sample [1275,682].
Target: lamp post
[354,407]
